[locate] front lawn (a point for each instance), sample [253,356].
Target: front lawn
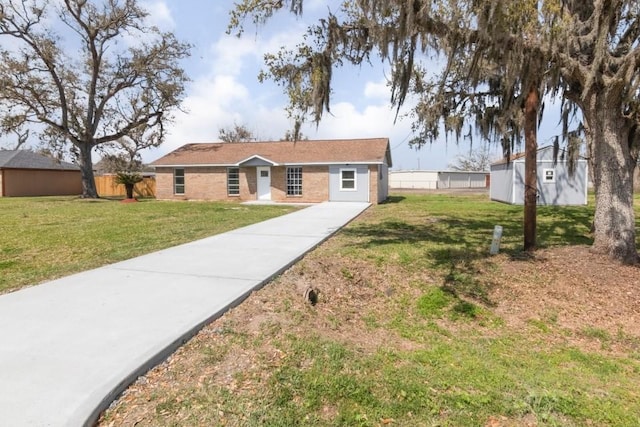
[48,237]
[416,325]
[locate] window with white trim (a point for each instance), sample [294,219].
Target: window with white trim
[233,181]
[294,181]
[178,181]
[348,180]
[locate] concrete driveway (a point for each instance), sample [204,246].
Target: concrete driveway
[68,347]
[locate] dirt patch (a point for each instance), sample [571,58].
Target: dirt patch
[576,297]
[573,289]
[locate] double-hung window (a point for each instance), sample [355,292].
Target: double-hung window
[348,180]
[294,181]
[178,181]
[233,181]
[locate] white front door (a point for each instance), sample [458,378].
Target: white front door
[264,182]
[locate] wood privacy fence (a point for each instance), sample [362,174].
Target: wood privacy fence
[106,185]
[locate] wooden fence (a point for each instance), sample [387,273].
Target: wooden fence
[107,187]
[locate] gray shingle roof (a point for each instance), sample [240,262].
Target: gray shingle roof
[24,159]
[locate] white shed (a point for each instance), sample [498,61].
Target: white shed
[556,186]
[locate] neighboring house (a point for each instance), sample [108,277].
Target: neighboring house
[556,186]
[25,173]
[302,171]
[432,180]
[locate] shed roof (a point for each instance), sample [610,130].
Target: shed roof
[562,153]
[25,159]
[364,151]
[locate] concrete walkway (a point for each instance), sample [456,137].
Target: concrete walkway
[68,347]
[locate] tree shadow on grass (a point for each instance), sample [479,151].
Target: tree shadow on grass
[555,227]
[459,244]
[393,199]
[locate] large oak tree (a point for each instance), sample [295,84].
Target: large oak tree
[88,73]
[500,58]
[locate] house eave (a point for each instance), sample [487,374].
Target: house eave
[239,164]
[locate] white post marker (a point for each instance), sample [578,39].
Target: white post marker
[495,243]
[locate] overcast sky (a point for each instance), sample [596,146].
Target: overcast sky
[224,88]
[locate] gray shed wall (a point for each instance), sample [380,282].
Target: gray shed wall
[361,194]
[518,180]
[565,190]
[501,188]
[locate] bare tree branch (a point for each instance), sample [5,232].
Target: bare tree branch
[106,93]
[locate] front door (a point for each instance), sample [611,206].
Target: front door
[264,182]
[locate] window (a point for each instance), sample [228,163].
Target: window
[548,176]
[294,181]
[348,179]
[178,181]
[233,181]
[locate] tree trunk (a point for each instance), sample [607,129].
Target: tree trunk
[614,218]
[128,188]
[530,165]
[89,190]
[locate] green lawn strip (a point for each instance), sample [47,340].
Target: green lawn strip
[439,225]
[48,237]
[464,381]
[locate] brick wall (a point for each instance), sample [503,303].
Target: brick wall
[373,183]
[207,183]
[315,185]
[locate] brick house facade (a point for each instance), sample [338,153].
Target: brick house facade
[303,171]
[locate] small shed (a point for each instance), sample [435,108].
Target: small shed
[25,173]
[556,185]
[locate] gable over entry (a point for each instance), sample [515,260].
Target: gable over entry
[301,171]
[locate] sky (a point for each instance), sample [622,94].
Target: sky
[224,89]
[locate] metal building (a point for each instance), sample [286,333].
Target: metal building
[432,180]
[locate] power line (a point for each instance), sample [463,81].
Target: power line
[402,142]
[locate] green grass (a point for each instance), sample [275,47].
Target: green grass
[460,365]
[465,376]
[49,237]
[452,382]
[454,225]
